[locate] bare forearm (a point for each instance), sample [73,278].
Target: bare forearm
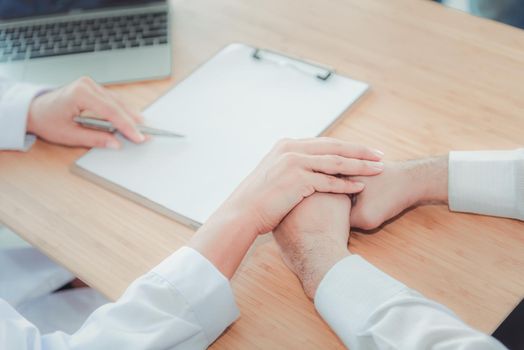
[314,237]
[430,179]
[314,259]
[224,240]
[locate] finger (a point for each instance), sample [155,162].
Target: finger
[338,165]
[136,116]
[327,145]
[333,184]
[126,116]
[109,110]
[80,136]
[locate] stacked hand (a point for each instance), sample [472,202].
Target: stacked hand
[314,236]
[291,172]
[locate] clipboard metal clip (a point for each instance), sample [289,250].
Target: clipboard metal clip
[319,71]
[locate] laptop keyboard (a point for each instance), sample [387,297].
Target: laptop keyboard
[81,36]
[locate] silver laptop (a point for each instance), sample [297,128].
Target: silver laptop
[57,41]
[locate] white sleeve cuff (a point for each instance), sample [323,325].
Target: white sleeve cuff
[351,291]
[487,182]
[205,289]
[14,108]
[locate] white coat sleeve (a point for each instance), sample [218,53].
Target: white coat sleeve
[487,182]
[369,310]
[183,303]
[15,99]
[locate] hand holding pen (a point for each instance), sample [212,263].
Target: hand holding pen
[51,116]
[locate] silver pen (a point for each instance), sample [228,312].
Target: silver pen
[105,125]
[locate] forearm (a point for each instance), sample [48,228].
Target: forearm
[225,239]
[314,259]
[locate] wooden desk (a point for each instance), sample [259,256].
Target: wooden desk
[440,80]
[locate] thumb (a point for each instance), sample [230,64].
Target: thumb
[92,138]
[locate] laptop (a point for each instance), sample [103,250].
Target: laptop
[57,41]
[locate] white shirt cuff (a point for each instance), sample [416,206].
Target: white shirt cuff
[351,291]
[14,108]
[205,289]
[487,182]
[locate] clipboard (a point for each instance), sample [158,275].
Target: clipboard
[232,110]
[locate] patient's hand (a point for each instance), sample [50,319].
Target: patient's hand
[290,173]
[51,115]
[401,186]
[314,237]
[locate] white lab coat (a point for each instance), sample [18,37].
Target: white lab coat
[28,279]
[14,106]
[186,303]
[183,303]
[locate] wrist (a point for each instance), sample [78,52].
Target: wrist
[315,260]
[231,216]
[429,177]
[224,240]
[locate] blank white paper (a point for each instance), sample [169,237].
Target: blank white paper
[232,111]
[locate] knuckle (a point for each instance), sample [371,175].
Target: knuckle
[85,80]
[290,159]
[333,181]
[306,187]
[79,89]
[284,145]
[338,161]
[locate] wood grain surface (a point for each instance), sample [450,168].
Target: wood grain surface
[440,80]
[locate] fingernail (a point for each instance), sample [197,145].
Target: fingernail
[377,165]
[378,153]
[140,137]
[113,144]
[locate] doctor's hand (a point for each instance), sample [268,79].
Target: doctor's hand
[51,116]
[402,185]
[292,171]
[314,237]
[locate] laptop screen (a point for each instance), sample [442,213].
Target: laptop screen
[11,9]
